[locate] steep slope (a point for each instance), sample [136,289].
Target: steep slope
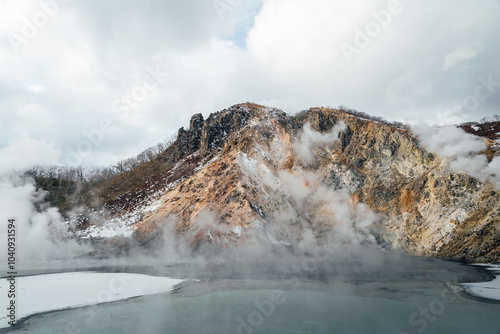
[253,175]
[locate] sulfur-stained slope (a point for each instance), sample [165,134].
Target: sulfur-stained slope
[253,175]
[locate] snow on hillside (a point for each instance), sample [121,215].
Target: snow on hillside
[490,119]
[124,224]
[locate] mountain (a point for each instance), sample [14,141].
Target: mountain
[253,175]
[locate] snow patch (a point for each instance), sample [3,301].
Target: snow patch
[259,171]
[488,290]
[237,231]
[204,165]
[110,228]
[490,119]
[124,225]
[45,293]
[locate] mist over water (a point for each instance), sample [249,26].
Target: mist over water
[251,296]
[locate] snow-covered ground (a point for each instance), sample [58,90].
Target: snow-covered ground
[489,290]
[44,293]
[124,225]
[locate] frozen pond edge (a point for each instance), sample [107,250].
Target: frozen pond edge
[40,294]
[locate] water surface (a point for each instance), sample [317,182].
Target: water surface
[425,299]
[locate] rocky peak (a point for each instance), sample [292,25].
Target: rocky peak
[196,122]
[220,125]
[236,178]
[210,135]
[323,119]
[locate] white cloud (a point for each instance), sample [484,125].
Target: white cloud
[458,56]
[88,55]
[35,88]
[24,153]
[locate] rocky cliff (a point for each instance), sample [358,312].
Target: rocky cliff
[253,175]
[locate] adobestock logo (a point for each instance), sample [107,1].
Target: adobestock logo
[121,107]
[264,309]
[31,26]
[371,30]
[426,315]
[150,82]
[224,7]
[93,138]
[482,92]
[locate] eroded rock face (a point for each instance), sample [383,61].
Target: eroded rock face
[375,183]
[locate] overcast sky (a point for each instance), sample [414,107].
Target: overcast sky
[93,82]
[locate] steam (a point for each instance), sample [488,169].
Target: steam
[309,216]
[449,141]
[341,220]
[193,246]
[314,218]
[463,149]
[41,234]
[310,140]
[328,218]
